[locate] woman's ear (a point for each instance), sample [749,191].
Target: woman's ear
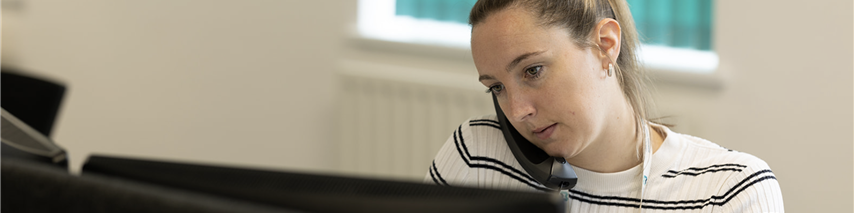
[608,39]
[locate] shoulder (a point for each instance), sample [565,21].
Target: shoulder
[736,180]
[702,152]
[482,131]
[482,124]
[477,155]
[479,136]
[700,156]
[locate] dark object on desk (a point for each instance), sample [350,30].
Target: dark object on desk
[20,141]
[35,187]
[34,100]
[319,193]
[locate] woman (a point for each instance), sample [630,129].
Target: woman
[566,75]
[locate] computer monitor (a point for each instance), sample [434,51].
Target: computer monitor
[21,141]
[319,193]
[30,186]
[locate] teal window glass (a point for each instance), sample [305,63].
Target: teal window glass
[674,23]
[439,10]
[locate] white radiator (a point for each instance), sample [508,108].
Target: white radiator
[393,120]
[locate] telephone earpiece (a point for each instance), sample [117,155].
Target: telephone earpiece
[552,172]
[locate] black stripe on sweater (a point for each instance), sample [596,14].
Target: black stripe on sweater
[459,141]
[459,133]
[460,150]
[434,177]
[486,166]
[473,158]
[485,120]
[502,164]
[699,173]
[488,159]
[434,169]
[713,166]
[672,205]
[703,170]
[602,203]
[742,182]
[708,201]
[485,124]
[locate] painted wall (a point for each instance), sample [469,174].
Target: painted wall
[786,96]
[228,82]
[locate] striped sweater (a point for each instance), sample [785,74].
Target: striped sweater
[687,174]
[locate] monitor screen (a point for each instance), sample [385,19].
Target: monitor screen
[319,193]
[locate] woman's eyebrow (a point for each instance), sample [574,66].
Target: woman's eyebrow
[520,58]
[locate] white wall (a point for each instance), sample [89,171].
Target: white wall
[232,82]
[251,83]
[787,96]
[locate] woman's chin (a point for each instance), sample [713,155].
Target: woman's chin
[555,152]
[561,150]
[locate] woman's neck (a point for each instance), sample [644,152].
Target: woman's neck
[618,146]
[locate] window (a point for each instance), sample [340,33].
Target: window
[435,22]
[444,23]
[456,11]
[676,34]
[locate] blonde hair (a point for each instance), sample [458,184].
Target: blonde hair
[580,18]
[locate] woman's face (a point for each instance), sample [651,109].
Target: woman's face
[556,93]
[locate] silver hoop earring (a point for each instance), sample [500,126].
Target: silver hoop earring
[610,69]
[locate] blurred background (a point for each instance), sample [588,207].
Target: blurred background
[374,88]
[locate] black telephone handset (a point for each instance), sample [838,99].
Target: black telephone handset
[552,172]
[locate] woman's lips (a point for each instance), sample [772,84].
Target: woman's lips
[545,133]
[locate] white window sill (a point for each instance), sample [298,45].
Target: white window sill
[377,20]
[664,65]
[682,66]
[379,29]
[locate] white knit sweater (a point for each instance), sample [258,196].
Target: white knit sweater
[687,174]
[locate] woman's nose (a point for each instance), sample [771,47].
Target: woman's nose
[519,108]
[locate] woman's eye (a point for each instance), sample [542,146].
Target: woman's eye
[495,89]
[533,71]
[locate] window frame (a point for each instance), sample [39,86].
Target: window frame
[379,28]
